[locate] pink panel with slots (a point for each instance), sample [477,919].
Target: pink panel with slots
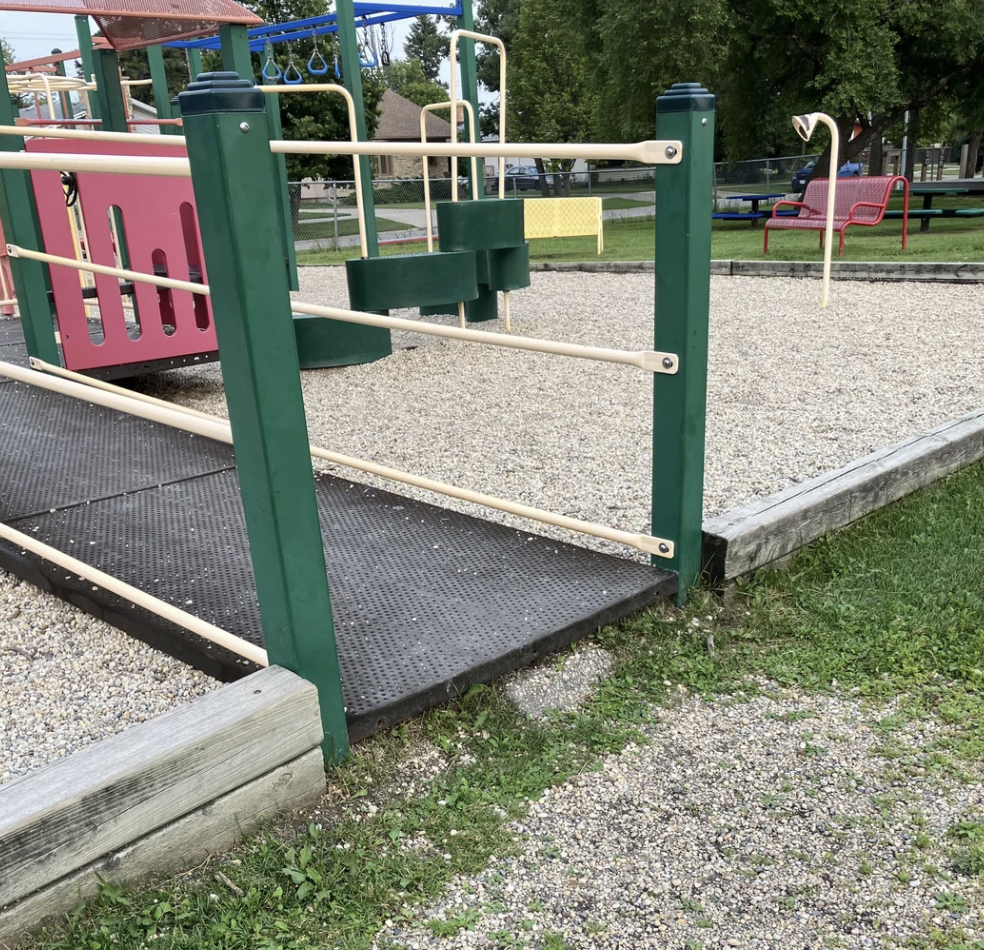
[157,224]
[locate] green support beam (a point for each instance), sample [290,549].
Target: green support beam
[236,191]
[85,53]
[236,57]
[194,64]
[109,91]
[20,226]
[352,80]
[277,132]
[469,90]
[683,268]
[162,98]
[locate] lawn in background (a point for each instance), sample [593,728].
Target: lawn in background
[957,240]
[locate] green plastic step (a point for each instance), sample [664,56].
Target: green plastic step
[411,280]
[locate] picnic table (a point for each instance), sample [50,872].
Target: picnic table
[948,187]
[753,216]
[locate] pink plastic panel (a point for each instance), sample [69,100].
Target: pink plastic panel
[159,227]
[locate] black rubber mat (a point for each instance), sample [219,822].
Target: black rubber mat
[57,451]
[426,601]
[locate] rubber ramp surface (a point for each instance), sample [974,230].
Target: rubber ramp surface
[426,601]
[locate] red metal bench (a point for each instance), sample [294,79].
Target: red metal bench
[857,201]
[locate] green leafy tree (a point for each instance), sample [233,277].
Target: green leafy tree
[426,44]
[498,18]
[866,64]
[550,87]
[406,77]
[134,64]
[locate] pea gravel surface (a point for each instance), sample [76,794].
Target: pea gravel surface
[67,679]
[794,391]
[773,823]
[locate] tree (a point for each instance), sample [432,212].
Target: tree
[498,18]
[134,64]
[551,95]
[866,63]
[428,45]
[406,77]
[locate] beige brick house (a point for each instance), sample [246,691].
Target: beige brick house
[399,121]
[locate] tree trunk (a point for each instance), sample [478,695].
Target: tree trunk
[542,177]
[876,156]
[912,134]
[975,147]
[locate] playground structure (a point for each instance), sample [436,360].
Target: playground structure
[227,118]
[148,334]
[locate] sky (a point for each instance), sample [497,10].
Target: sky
[33,35]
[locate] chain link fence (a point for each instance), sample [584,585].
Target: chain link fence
[325,216]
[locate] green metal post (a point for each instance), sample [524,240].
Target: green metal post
[280,161]
[162,98]
[352,79]
[194,63]
[236,57]
[109,91]
[20,226]
[469,90]
[85,53]
[227,129]
[683,269]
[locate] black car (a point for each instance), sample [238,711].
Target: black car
[518,178]
[802,176]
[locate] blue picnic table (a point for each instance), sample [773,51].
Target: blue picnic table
[752,216]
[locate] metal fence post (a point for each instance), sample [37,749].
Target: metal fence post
[683,268]
[334,214]
[237,191]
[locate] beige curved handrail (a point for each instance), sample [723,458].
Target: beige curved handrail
[433,107]
[495,41]
[354,137]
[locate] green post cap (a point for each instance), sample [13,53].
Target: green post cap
[220,92]
[685,97]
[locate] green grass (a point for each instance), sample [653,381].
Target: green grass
[323,230]
[891,608]
[634,240]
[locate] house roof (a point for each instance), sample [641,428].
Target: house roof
[399,121]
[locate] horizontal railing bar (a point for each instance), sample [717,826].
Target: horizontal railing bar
[104,164]
[191,420]
[667,152]
[666,363]
[649,360]
[91,135]
[169,283]
[155,605]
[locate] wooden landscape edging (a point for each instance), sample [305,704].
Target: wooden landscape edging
[162,794]
[768,529]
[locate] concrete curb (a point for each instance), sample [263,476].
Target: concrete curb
[841,270]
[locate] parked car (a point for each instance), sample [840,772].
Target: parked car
[802,177]
[518,178]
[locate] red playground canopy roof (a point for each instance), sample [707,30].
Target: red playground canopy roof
[132,24]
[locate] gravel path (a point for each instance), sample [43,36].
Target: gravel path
[767,824]
[67,679]
[794,391]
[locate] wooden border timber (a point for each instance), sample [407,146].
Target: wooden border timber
[186,765]
[214,829]
[747,538]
